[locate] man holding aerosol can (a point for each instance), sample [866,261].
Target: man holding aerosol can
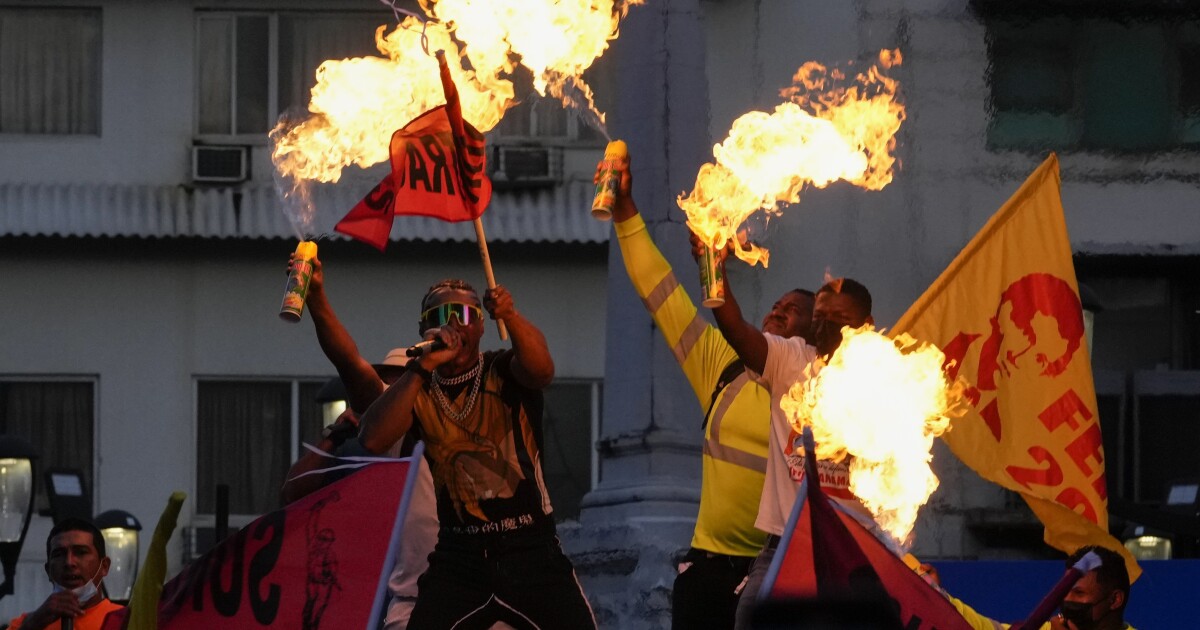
[737,412]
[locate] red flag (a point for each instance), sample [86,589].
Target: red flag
[438,170]
[321,562]
[830,555]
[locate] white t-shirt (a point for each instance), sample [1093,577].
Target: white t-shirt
[417,540]
[784,367]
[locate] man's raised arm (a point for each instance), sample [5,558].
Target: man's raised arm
[363,385]
[532,364]
[746,340]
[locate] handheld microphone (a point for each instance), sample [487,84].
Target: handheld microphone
[425,347]
[68,623]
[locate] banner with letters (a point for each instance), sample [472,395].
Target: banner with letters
[1008,316]
[322,562]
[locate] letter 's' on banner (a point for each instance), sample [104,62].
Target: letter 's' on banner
[322,562]
[1008,316]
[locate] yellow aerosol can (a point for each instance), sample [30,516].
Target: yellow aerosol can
[608,180]
[712,278]
[297,282]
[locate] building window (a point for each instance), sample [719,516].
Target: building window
[1146,366]
[251,66]
[50,69]
[570,427]
[545,118]
[57,418]
[1085,83]
[248,434]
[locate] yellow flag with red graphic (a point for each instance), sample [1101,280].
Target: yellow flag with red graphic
[1008,316]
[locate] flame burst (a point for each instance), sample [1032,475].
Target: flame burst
[826,132]
[881,402]
[357,103]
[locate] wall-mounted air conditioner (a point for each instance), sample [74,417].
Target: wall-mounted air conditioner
[197,541]
[220,164]
[516,166]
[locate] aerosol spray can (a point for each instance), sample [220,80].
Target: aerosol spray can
[609,180]
[712,278]
[297,283]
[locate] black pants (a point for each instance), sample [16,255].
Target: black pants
[476,580]
[704,595]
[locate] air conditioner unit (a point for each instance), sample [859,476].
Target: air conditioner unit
[220,164]
[197,541]
[524,166]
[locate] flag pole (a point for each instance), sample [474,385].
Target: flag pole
[455,116]
[1055,597]
[487,271]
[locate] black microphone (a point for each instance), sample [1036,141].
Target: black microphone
[425,347]
[68,623]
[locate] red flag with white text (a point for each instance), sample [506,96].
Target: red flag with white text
[438,170]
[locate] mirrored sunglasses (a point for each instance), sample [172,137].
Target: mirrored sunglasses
[439,315]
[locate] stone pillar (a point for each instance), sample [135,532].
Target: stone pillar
[637,522]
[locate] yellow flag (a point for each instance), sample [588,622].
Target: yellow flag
[147,588]
[1007,314]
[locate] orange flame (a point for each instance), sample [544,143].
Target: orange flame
[357,103]
[826,132]
[881,402]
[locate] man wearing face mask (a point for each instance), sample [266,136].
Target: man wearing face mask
[777,363]
[76,563]
[1096,601]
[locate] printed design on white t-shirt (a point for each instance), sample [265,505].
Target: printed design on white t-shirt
[835,476]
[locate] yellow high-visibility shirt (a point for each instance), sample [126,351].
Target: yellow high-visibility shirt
[735,437]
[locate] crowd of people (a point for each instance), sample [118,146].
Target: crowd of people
[480,548]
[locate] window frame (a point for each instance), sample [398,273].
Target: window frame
[1150,384]
[259,139]
[39,467]
[595,389]
[273,106]
[1071,128]
[207,519]
[98,75]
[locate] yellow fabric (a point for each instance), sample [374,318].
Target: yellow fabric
[91,619]
[1007,313]
[735,451]
[979,622]
[147,588]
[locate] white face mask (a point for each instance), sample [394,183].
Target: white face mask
[82,593]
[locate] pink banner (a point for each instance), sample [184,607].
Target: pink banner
[321,562]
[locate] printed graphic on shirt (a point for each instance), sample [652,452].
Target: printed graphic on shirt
[835,476]
[485,465]
[476,466]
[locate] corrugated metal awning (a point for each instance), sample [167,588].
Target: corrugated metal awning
[558,214]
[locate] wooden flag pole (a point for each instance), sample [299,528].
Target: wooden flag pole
[487,270]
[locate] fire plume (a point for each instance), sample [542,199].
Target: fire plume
[357,103]
[828,130]
[880,402]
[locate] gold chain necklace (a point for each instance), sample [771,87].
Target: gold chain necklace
[458,415]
